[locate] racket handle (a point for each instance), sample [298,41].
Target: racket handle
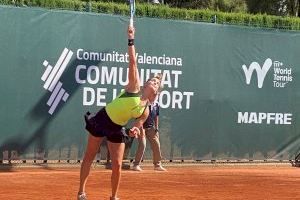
[131,22]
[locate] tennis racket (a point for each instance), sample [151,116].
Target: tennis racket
[132,12]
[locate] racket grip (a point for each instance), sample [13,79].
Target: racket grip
[131,22]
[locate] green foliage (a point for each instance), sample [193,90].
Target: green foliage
[167,12]
[76,5]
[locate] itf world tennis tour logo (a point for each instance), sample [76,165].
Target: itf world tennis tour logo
[51,78]
[282,75]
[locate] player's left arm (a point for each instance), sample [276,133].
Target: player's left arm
[138,123]
[133,85]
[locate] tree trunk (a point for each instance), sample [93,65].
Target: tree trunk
[297,14]
[294,8]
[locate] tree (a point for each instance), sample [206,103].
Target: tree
[274,7]
[266,6]
[230,5]
[221,5]
[293,8]
[270,7]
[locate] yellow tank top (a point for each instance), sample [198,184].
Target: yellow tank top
[124,107]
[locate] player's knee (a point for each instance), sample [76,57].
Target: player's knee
[88,157]
[117,166]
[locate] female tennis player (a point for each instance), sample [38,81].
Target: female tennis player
[110,121]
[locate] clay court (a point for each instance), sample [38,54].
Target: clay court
[203,181]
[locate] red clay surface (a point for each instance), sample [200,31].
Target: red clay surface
[209,182]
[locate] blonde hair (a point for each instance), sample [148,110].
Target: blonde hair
[158,76]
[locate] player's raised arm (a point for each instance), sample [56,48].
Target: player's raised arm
[133,76]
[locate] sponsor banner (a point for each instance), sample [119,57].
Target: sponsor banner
[228,92]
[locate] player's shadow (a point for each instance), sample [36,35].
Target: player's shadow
[36,140]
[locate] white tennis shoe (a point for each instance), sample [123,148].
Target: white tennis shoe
[159,168]
[137,168]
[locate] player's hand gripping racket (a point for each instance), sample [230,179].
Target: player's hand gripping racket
[132,12]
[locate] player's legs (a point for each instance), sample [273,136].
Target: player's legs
[116,153]
[90,153]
